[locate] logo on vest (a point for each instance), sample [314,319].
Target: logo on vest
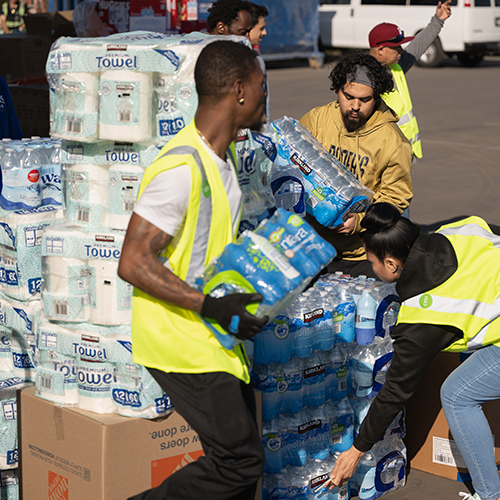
[205,189]
[425,301]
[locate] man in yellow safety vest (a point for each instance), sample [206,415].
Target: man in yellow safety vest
[385,46]
[188,210]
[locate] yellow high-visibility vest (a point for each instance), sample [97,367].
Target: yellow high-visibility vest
[470,299]
[171,338]
[399,101]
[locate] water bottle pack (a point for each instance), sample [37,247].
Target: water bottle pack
[381,470]
[135,87]
[255,153]
[287,185]
[331,191]
[31,173]
[277,260]
[314,402]
[303,483]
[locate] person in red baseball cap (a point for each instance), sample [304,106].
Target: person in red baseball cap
[385,41]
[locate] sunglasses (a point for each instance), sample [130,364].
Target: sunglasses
[396,39]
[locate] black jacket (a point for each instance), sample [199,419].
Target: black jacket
[431,262]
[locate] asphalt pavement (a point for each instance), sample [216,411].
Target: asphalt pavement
[458,111]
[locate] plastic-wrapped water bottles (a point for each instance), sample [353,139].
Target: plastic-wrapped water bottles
[287,185]
[365,318]
[341,424]
[331,191]
[273,344]
[369,365]
[381,470]
[31,177]
[322,319]
[273,448]
[337,374]
[293,377]
[264,263]
[345,312]
[314,379]
[300,331]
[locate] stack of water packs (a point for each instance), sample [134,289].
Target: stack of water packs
[331,190]
[319,364]
[277,260]
[30,201]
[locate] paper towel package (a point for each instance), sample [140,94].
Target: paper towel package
[20,244]
[91,367]
[145,83]
[8,420]
[79,276]
[101,181]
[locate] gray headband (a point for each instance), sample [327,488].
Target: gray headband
[360,76]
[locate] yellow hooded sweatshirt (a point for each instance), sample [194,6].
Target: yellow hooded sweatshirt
[377,153]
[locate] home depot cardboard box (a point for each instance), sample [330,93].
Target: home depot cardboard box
[430,445]
[67,453]
[49,22]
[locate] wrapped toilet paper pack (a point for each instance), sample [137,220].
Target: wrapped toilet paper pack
[20,273]
[79,276]
[145,83]
[8,421]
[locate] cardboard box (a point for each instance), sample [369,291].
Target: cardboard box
[23,55]
[428,439]
[68,453]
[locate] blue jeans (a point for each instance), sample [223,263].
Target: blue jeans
[475,381]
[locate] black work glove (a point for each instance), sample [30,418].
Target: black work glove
[230,312]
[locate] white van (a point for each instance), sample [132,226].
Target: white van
[471,32]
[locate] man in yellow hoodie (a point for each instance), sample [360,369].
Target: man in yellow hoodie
[362,132]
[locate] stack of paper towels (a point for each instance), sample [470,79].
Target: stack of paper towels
[133,87]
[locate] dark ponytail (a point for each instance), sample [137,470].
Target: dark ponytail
[387,233]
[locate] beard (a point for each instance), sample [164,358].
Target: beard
[352,124]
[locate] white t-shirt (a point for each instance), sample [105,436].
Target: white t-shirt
[164,202]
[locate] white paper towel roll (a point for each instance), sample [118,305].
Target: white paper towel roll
[66,288]
[126,102]
[86,191]
[124,182]
[111,296]
[76,106]
[94,386]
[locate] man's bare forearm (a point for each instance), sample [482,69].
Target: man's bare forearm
[140,267]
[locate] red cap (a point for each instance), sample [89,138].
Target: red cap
[387,35]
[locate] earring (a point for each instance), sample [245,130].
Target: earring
[242,100]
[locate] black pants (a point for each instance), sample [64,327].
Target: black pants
[221,409]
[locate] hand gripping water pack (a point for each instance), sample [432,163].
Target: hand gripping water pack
[331,190]
[270,262]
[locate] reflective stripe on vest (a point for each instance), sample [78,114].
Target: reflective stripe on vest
[399,101]
[470,299]
[171,338]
